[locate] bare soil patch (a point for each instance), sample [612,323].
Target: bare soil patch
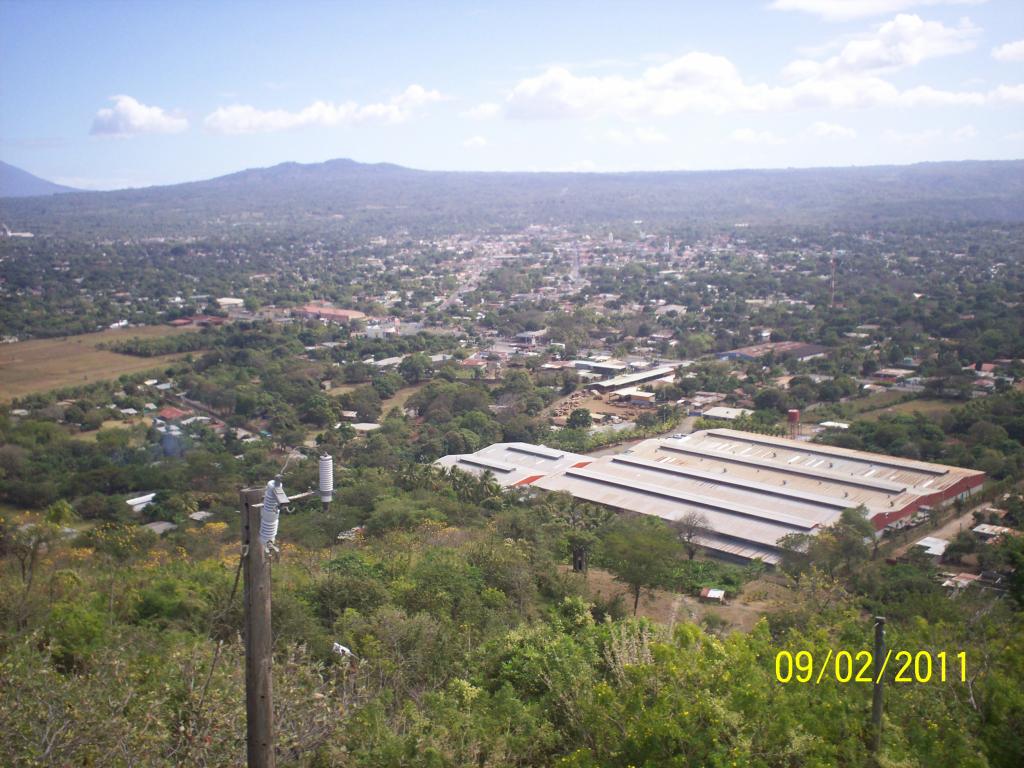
[44,364]
[758,598]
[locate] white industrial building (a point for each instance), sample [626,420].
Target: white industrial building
[752,489]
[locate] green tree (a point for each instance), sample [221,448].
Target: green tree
[579,419]
[640,553]
[415,367]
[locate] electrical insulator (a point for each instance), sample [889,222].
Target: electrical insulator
[326,478]
[273,497]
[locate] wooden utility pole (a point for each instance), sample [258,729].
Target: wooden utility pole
[876,698]
[259,699]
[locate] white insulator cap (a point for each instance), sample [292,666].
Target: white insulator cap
[273,497]
[326,478]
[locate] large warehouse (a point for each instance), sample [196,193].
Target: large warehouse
[752,489]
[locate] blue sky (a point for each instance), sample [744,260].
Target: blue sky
[112,94]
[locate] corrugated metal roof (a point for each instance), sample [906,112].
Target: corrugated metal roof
[789,469]
[688,495]
[752,489]
[833,451]
[791,493]
[633,378]
[511,463]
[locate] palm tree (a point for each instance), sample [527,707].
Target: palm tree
[582,520]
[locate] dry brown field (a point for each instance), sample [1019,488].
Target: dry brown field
[40,365]
[933,409]
[757,598]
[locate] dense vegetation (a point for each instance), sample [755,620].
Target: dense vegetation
[471,647]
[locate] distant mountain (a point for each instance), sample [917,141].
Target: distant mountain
[343,196]
[15,182]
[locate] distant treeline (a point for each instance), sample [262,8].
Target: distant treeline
[166,345]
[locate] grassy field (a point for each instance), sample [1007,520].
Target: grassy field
[90,437]
[934,409]
[341,389]
[44,364]
[399,399]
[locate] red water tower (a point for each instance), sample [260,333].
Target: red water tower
[794,422]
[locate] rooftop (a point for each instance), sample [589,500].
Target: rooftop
[753,489]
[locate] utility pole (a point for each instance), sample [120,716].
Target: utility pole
[259,699]
[876,698]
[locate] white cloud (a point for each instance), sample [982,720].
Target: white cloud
[1009,51]
[638,135]
[903,42]
[846,10]
[484,111]
[475,142]
[707,83]
[129,117]
[243,118]
[823,130]
[750,136]
[1013,94]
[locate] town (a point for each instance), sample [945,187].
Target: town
[497,385]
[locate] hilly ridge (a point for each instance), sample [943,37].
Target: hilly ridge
[15,182]
[344,195]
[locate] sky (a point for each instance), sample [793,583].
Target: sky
[105,95]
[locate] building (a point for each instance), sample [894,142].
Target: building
[170,413]
[634,396]
[327,313]
[603,366]
[988,533]
[932,546]
[514,463]
[634,379]
[531,338]
[752,489]
[798,349]
[721,413]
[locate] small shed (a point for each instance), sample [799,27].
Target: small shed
[711,595]
[139,503]
[932,546]
[960,581]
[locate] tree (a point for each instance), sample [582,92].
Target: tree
[963,544]
[28,542]
[771,400]
[415,368]
[851,533]
[640,553]
[365,402]
[583,520]
[691,526]
[794,554]
[579,419]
